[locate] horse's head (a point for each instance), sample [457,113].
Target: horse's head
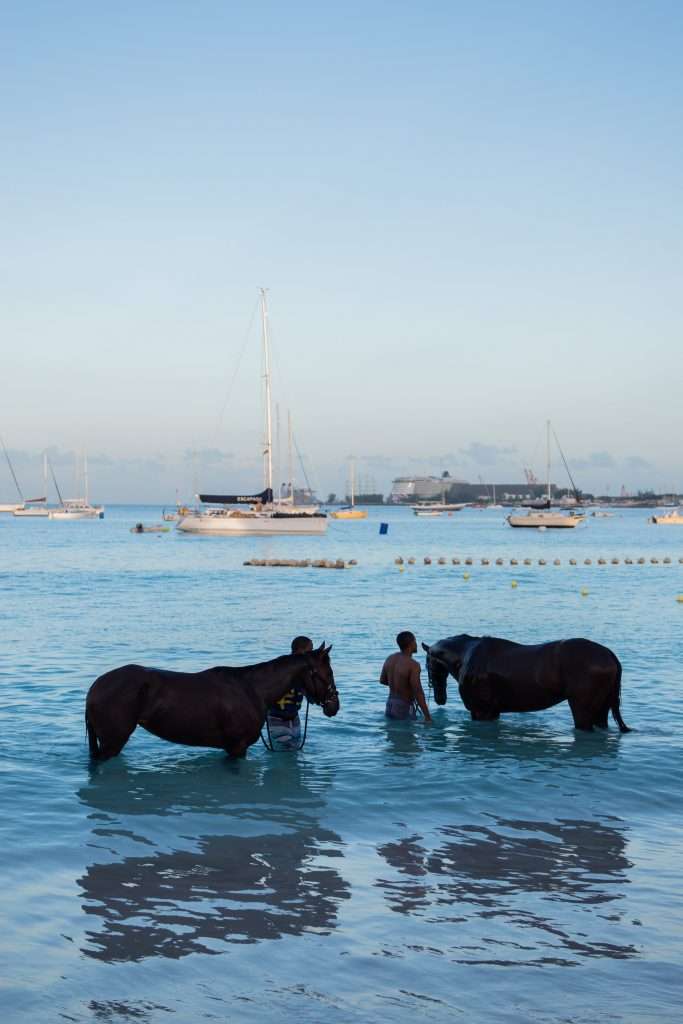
[444,657]
[318,681]
[437,673]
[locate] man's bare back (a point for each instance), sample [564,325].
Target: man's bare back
[402,675]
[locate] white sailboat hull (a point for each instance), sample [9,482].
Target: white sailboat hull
[78,512]
[256,524]
[10,508]
[545,520]
[32,513]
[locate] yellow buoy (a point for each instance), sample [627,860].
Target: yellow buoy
[465,575]
[584,591]
[400,568]
[680,598]
[513,584]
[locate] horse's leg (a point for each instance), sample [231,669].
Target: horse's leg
[600,716]
[582,714]
[109,730]
[238,749]
[114,742]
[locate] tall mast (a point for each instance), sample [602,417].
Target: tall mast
[547,458]
[268,447]
[290,458]
[85,476]
[353,482]
[45,474]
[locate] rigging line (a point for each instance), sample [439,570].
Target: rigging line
[566,466]
[11,469]
[54,480]
[301,463]
[279,373]
[221,416]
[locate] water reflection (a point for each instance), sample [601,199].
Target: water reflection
[510,875]
[253,863]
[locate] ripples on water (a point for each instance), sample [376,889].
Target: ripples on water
[483,871]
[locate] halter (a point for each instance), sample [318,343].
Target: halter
[429,671]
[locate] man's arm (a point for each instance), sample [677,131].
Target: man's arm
[418,692]
[383,678]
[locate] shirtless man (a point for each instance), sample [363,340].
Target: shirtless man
[401,673]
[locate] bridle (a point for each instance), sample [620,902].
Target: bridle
[331,693]
[430,681]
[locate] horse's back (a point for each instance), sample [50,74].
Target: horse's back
[579,654]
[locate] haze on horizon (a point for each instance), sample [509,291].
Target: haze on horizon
[468,218]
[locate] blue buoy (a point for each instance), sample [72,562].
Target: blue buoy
[383,528]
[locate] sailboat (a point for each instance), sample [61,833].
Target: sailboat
[263,517]
[536,518]
[36,508]
[76,508]
[435,508]
[350,511]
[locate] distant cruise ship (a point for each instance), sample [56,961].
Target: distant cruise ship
[420,488]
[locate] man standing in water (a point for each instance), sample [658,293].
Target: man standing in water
[401,673]
[283,717]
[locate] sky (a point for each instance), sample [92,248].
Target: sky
[467,215]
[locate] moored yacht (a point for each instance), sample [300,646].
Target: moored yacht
[262,517]
[672,518]
[545,518]
[75,508]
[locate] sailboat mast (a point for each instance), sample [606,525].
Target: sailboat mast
[547,459]
[85,476]
[290,456]
[353,482]
[268,448]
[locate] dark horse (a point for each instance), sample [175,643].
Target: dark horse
[495,676]
[222,707]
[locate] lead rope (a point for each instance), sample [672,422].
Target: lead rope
[268,744]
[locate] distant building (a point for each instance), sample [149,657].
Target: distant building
[461,491]
[366,498]
[420,488]
[407,489]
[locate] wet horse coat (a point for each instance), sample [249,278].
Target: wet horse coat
[496,676]
[222,707]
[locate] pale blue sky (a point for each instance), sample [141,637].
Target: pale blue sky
[468,216]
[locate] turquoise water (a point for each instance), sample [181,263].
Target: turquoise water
[478,872]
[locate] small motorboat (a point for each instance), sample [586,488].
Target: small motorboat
[672,518]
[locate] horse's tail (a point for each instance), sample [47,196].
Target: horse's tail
[616,697]
[93,741]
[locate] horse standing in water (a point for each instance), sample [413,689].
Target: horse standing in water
[496,676]
[222,707]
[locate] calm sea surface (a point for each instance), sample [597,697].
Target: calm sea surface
[513,871]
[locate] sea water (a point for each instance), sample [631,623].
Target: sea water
[509,871]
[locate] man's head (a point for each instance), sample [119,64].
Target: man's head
[302,645]
[407,644]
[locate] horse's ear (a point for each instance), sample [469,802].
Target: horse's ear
[328,649]
[321,649]
[425,647]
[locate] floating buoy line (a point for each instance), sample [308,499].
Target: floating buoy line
[470,561]
[302,563]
